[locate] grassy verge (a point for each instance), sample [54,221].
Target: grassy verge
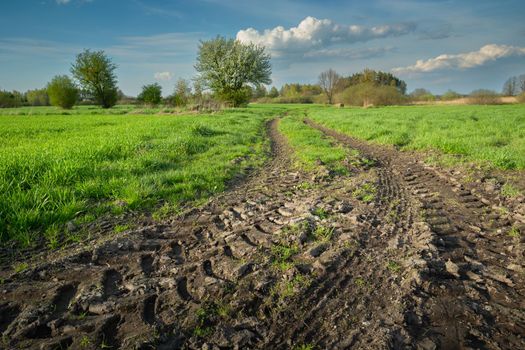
[311,148]
[494,135]
[59,169]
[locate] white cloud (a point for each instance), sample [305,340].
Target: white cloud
[62,2]
[466,60]
[163,76]
[313,33]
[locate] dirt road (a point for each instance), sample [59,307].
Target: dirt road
[395,255]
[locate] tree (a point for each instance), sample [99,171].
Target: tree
[510,88]
[450,95]
[421,94]
[151,94]
[377,78]
[273,92]
[227,66]
[328,81]
[260,91]
[37,97]
[96,74]
[62,92]
[10,99]
[182,93]
[521,83]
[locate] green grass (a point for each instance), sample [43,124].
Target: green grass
[489,134]
[311,147]
[58,168]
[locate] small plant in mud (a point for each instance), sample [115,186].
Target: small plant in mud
[84,341]
[510,191]
[305,186]
[20,267]
[308,346]
[121,228]
[282,256]
[366,193]
[514,232]
[321,213]
[323,233]
[207,315]
[393,266]
[360,282]
[287,289]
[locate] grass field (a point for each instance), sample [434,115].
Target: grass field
[58,168]
[494,135]
[77,167]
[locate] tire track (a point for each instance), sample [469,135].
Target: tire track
[467,297]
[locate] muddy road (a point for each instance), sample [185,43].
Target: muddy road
[395,255]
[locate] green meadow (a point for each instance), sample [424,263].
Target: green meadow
[493,135]
[56,169]
[59,167]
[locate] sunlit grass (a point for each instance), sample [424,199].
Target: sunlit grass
[58,168]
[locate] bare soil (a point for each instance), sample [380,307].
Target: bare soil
[395,255]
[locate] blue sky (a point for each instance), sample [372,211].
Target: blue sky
[435,44]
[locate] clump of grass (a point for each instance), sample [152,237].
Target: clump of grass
[308,346]
[514,232]
[366,192]
[20,267]
[510,191]
[282,256]
[121,228]
[321,213]
[323,233]
[393,266]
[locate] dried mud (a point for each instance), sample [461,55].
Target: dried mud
[394,255]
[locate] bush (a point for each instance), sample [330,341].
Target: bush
[422,95]
[10,99]
[450,95]
[370,95]
[484,97]
[151,94]
[521,98]
[37,97]
[62,92]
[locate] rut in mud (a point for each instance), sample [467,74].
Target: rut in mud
[393,255]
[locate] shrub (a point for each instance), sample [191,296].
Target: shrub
[521,98]
[450,95]
[484,97]
[37,97]
[370,95]
[62,92]
[151,94]
[10,99]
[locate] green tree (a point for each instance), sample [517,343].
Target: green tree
[182,93]
[227,66]
[96,74]
[151,94]
[450,95]
[273,92]
[37,97]
[260,91]
[62,92]
[377,78]
[10,99]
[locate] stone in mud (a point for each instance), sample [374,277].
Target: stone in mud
[426,344]
[452,268]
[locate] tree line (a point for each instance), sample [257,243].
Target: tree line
[232,73]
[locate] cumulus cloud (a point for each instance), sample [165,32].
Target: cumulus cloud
[62,2]
[315,34]
[487,53]
[163,76]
